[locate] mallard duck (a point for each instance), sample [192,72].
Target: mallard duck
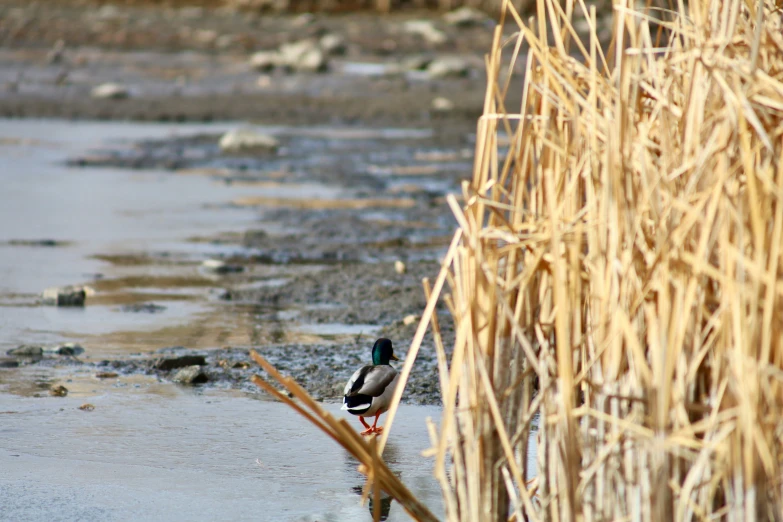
[369,390]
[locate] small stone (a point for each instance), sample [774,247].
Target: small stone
[9,363]
[332,44]
[410,319]
[291,52]
[228,365]
[26,350]
[38,242]
[148,308]
[65,296]
[191,13]
[190,375]
[441,104]
[217,266]
[246,141]
[400,267]
[87,407]
[466,17]
[312,61]
[303,20]
[224,41]
[304,55]
[426,29]
[172,363]
[110,91]
[205,36]
[254,237]
[58,391]
[447,67]
[106,375]
[108,12]
[55,55]
[416,62]
[69,349]
[265,61]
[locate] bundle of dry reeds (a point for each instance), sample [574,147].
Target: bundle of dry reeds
[618,272]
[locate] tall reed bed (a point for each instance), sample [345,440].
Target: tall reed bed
[617,272]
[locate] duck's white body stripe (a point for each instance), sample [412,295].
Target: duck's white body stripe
[360,407]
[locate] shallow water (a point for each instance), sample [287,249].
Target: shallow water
[135,236]
[179,455]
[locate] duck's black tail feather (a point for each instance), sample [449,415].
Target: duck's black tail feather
[357,404]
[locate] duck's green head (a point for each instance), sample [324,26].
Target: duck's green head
[382,352]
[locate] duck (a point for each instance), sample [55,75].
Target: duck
[370,389]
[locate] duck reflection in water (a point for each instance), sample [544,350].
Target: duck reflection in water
[390,457]
[386,502]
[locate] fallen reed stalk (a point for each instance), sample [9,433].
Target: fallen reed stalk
[379,476]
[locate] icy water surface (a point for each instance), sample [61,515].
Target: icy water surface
[183,455]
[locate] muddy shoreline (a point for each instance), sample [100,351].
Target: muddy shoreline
[307,267]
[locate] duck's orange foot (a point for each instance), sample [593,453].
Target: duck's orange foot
[368,431]
[378,429]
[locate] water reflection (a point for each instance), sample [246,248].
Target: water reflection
[386,502]
[390,456]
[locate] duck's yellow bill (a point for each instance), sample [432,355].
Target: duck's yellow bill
[394,358]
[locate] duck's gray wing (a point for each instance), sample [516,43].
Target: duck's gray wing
[358,374]
[371,380]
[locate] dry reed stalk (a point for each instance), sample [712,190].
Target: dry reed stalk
[379,476]
[619,274]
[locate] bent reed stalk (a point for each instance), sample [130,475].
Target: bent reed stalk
[616,273]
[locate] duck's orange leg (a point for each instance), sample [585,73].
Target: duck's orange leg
[375,428]
[369,429]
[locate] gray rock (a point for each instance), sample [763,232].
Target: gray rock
[247,140]
[416,62]
[9,363]
[303,20]
[55,55]
[149,308]
[191,13]
[426,29]
[65,296]
[466,17]
[292,51]
[332,44]
[58,391]
[69,349]
[441,104]
[108,12]
[110,91]
[447,68]
[304,56]
[265,61]
[38,242]
[172,363]
[216,266]
[190,375]
[26,350]
[314,60]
